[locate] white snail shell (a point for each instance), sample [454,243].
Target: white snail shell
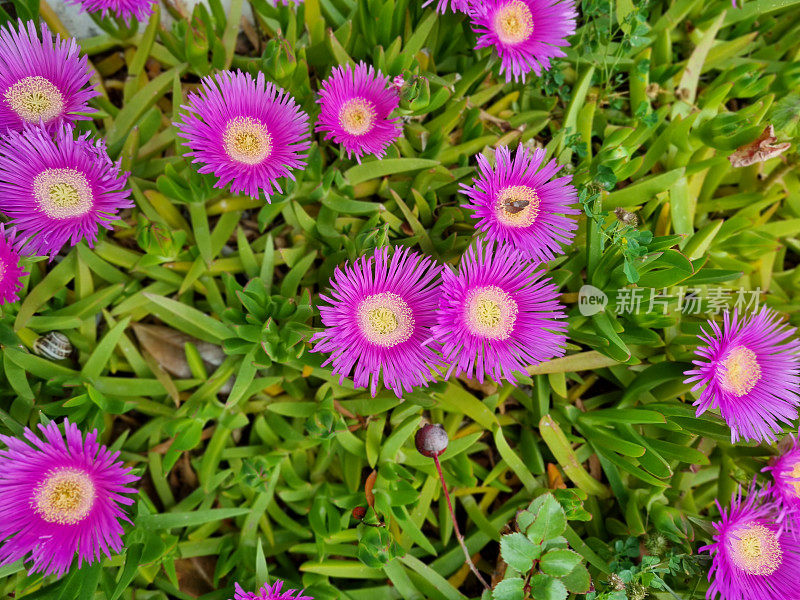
[53,345]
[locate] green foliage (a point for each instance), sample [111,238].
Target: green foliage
[539,563]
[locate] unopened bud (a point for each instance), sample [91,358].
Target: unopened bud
[431,440]
[625,217]
[359,512]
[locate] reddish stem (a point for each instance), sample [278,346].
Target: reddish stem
[459,537]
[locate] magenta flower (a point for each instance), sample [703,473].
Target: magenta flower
[270,593]
[41,81]
[379,320]
[246,132]
[785,470]
[753,558]
[58,191]
[139,10]
[11,273]
[498,315]
[356,105]
[461,6]
[58,499]
[749,368]
[515,203]
[525,33]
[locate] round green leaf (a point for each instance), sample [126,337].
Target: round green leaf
[544,587]
[519,552]
[559,563]
[509,589]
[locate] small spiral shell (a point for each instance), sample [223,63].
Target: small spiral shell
[53,345]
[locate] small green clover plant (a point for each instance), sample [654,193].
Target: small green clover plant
[541,566]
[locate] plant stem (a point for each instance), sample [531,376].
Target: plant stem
[459,537]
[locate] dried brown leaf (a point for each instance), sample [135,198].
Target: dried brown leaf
[167,345]
[760,150]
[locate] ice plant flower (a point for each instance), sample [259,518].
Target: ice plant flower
[753,558]
[10,271]
[59,189]
[461,6]
[270,593]
[245,131]
[526,34]
[356,107]
[138,10]
[41,80]
[516,203]
[498,315]
[785,486]
[381,311]
[749,368]
[58,499]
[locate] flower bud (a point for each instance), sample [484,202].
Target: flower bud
[431,440]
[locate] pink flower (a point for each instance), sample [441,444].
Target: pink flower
[140,10]
[749,370]
[379,318]
[11,272]
[497,315]
[59,190]
[753,558]
[41,81]
[785,470]
[525,33]
[356,107]
[516,204]
[58,499]
[462,6]
[245,131]
[270,593]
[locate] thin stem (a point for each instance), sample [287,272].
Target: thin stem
[459,537]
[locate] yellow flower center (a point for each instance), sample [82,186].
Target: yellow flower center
[513,22]
[755,549]
[62,193]
[795,474]
[246,140]
[517,206]
[385,319]
[357,116]
[490,312]
[740,371]
[35,98]
[66,496]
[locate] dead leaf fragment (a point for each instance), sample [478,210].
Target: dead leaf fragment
[760,150]
[368,489]
[166,346]
[554,479]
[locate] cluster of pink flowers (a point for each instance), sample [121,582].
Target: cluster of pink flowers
[749,369]
[56,187]
[401,318]
[756,543]
[754,555]
[249,133]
